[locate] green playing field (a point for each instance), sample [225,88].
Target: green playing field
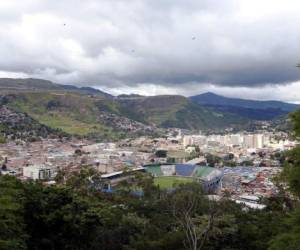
[170,181]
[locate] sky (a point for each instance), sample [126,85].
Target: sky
[237,48]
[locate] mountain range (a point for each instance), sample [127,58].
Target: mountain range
[86,111]
[251,109]
[9,85]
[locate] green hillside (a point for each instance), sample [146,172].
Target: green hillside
[249,109]
[11,85]
[102,117]
[70,112]
[172,111]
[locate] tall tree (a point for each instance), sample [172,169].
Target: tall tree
[289,239]
[12,233]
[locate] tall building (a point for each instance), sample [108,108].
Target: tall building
[258,141]
[248,141]
[254,141]
[236,139]
[199,140]
[187,140]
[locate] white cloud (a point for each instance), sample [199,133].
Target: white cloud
[286,93]
[155,46]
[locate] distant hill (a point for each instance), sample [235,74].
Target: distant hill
[171,111]
[107,118]
[130,96]
[86,111]
[9,85]
[74,114]
[86,90]
[251,109]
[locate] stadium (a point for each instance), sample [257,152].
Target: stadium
[167,175]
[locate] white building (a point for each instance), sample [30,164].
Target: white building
[258,140]
[248,141]
[36,172]
[194,140]
[236,139]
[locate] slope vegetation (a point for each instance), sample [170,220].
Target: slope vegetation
[172,111]
[251,109]
[74,114]
[86,111]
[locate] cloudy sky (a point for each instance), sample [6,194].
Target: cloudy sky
[239,48]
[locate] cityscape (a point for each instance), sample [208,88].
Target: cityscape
[150,125]
[246,163]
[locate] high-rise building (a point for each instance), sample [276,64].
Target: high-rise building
[248,141]
[187,140]
[258,140]
[235,139]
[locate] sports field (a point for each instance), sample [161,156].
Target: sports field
[170,181]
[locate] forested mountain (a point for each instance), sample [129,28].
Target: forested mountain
[86,111]
[173,111]
[107,118]
[89,112]
[74,114]
[257,110]
[9,85]
[213,99]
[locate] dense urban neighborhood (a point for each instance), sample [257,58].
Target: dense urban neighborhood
[244,163]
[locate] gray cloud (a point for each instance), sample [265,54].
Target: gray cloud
[112,44]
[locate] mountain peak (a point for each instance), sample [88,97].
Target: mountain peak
[208,93]
[250,108]
[12,85]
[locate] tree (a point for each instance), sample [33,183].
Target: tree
[290,238]
[12,227]
[189,207]
[295,118]
[86,181]
[291,171]
[161,153]
[212,160]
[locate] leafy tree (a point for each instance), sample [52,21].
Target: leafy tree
[291,171]
[161,153]
[86,181]
[290,238]
[12,233]
[212,160]
[189,209]
[295,118]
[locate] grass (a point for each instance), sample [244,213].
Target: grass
[178,154]
[67,124]
[76,114]
[79,114]
[166,182]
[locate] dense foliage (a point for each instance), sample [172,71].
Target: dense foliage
[76,216]
[289,238]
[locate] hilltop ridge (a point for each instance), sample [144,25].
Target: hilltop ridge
[86,111]
[252,109]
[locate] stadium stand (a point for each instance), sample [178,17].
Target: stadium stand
[184,169]
[155,170]
[202,171]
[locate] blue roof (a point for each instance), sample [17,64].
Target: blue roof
[184,169]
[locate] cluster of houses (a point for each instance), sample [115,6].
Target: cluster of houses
[41,160]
